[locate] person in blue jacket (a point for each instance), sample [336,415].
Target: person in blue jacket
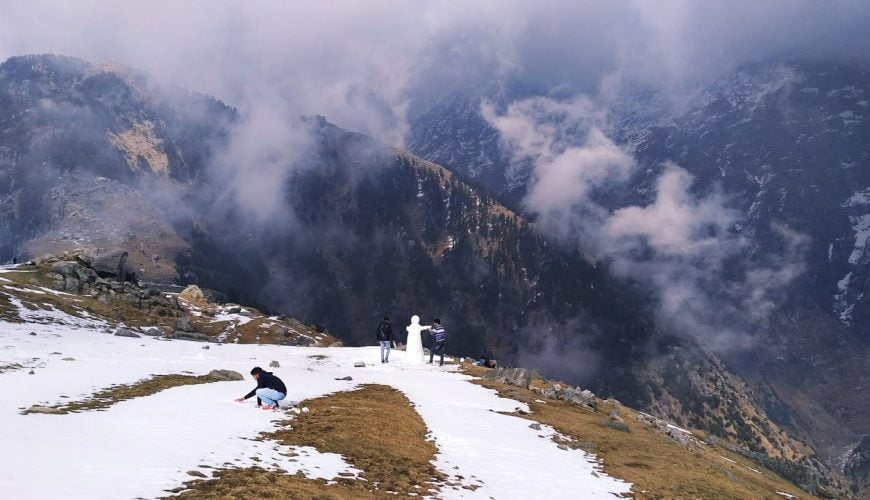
[270,389]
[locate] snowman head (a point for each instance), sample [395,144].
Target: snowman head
[415,320]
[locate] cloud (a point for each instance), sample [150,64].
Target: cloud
[683,246]
[572,156]
[366,65]
[675,223]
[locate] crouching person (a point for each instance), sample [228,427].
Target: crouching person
[270,389]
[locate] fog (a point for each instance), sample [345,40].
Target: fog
[367,65]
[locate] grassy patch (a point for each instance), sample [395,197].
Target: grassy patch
[115,394]
[374,428]
[657,467]
[8,312]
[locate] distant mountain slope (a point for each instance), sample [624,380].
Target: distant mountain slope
[787,141]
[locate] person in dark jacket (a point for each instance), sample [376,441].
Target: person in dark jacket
[385,337]
[270,389]
[439,336]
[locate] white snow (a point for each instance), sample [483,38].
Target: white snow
[861,226]
[144,446]
[785,495]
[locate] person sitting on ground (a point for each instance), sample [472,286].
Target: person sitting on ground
[270,389]
[385,337]
[439,335]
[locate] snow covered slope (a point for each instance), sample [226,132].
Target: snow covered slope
[145,446]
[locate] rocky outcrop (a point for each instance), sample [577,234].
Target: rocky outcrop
[532,380]
[520,377]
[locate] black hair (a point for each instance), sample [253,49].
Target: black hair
[436,321]
[256,370]
[386,318]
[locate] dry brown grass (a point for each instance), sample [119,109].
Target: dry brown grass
[115,394]
[657,467]
[374,428]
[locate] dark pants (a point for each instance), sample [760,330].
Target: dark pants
[438,347]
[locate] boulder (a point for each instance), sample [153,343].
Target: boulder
[274,364]
[152,332]
[234,310]
[198,337]
[344,378]
[225,375]
[298,341]
[184,324]
[206,347]
[72,285]
[44,409]
[66,269]
[359,364]
[124,332]
[192,294]
[109,262]
[86,275]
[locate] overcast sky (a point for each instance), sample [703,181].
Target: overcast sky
[361,63]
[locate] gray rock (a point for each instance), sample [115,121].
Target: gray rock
[32,333]
[152,332]
[66,269]
[183,324]
[234,310]
[298,341]
[359,364]
[86,275]
[108,262]
[520,377]
[31,372]
[274,364]
[345,378]
[198,337]
[535,426]
[72,285]
[206,347]
[43,409]
[68,359]
[225,375]
[123,332]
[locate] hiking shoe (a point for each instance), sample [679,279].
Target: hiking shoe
[270,407]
